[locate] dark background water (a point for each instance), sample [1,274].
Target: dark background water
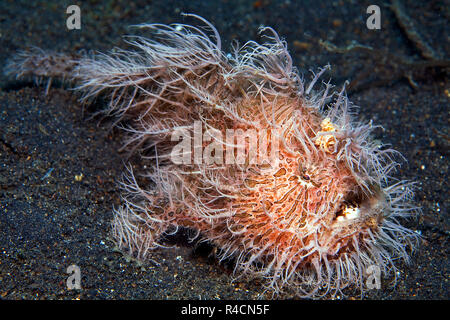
[49,220]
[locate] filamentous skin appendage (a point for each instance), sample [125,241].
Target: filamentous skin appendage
[311,217]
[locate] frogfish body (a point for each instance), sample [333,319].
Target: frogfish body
[277,175]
